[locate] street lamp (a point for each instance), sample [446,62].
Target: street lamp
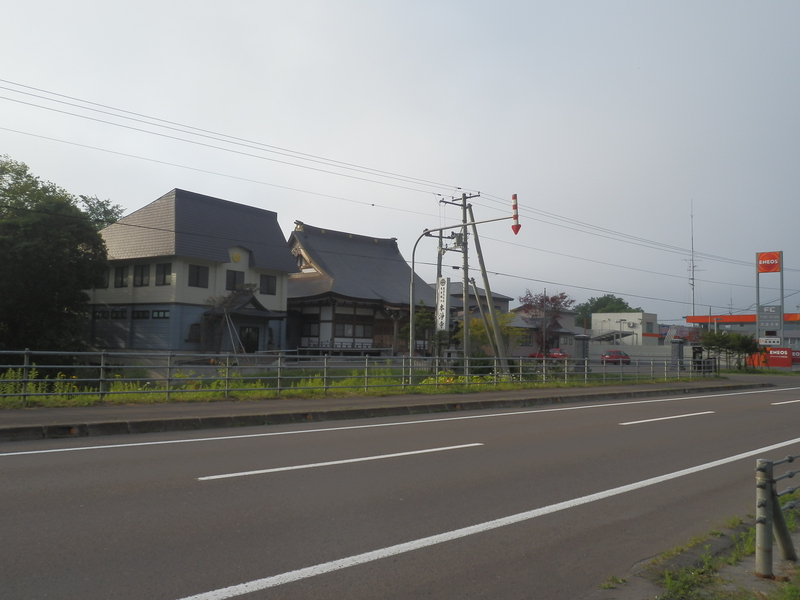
[621,321]
[716,320]
[428,232]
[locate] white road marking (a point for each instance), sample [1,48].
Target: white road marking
[359,559]
[708,412]
[787,402]
[336,462]
[398,424]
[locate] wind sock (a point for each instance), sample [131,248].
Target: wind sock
[515,227]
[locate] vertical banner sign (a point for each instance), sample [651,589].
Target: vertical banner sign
[769,317]
[443,304]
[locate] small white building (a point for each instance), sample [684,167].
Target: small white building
[626,329]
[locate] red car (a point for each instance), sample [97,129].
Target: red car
[615,356]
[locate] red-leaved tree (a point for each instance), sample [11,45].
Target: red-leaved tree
[544,312]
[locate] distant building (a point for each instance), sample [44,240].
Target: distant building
[626,329]
[528,321]
[746,324]
[350,294]
[172,258]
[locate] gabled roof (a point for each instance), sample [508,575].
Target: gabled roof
[190,225]
[245,304]
[455,290]
[353,266]
[523,321]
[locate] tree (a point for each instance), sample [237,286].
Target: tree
[51,252]
[736,346]
[604,304]
[479,340]
[546,311]
[101,212]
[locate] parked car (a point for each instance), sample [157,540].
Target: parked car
[552,353]
[615,357]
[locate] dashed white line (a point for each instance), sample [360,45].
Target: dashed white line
[399,423]
[708,412]
[335,462]
[359,559]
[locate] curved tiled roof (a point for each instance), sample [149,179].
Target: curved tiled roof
[354,266]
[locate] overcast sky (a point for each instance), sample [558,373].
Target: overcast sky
[613,121]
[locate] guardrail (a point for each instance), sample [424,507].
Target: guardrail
[27,377]
[769,515]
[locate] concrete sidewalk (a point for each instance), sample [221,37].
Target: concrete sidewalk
[41,423]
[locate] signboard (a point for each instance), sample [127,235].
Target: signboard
[768,262]
[769,341]
[779,357]
[770,317]
[443,304]
[773,357]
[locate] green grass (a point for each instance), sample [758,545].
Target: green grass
[704,580]
[132,386]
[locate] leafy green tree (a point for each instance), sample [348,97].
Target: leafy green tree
[604,304]
[479,341]
[733,347]
[51,252]
[101,212]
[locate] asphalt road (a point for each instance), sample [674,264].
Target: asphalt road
[535,503]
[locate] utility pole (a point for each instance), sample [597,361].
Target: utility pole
[498,338]
[464,244]
[464,281]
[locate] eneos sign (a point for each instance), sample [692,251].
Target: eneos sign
[779,357]
[768,262]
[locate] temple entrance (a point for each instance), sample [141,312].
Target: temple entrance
[249,338]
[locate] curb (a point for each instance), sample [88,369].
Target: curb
[39,432]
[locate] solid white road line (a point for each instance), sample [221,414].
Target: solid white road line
[708,412]
[787,402]
[398,424]
[351,561]
[335,462]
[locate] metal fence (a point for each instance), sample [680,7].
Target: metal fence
[27,377]
[769,515]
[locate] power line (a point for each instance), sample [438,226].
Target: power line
[214,135]
[542,216]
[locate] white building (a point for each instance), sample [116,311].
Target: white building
[626,329]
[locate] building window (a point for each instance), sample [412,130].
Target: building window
[163,273]
[121,277]
[309,329]
[119,313]
[141,275]
[101,314]
[161,314]
[140,314]
[269,285]
[352,326]
[234,280]
[198,276]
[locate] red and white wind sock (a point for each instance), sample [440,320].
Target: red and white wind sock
[515,227]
